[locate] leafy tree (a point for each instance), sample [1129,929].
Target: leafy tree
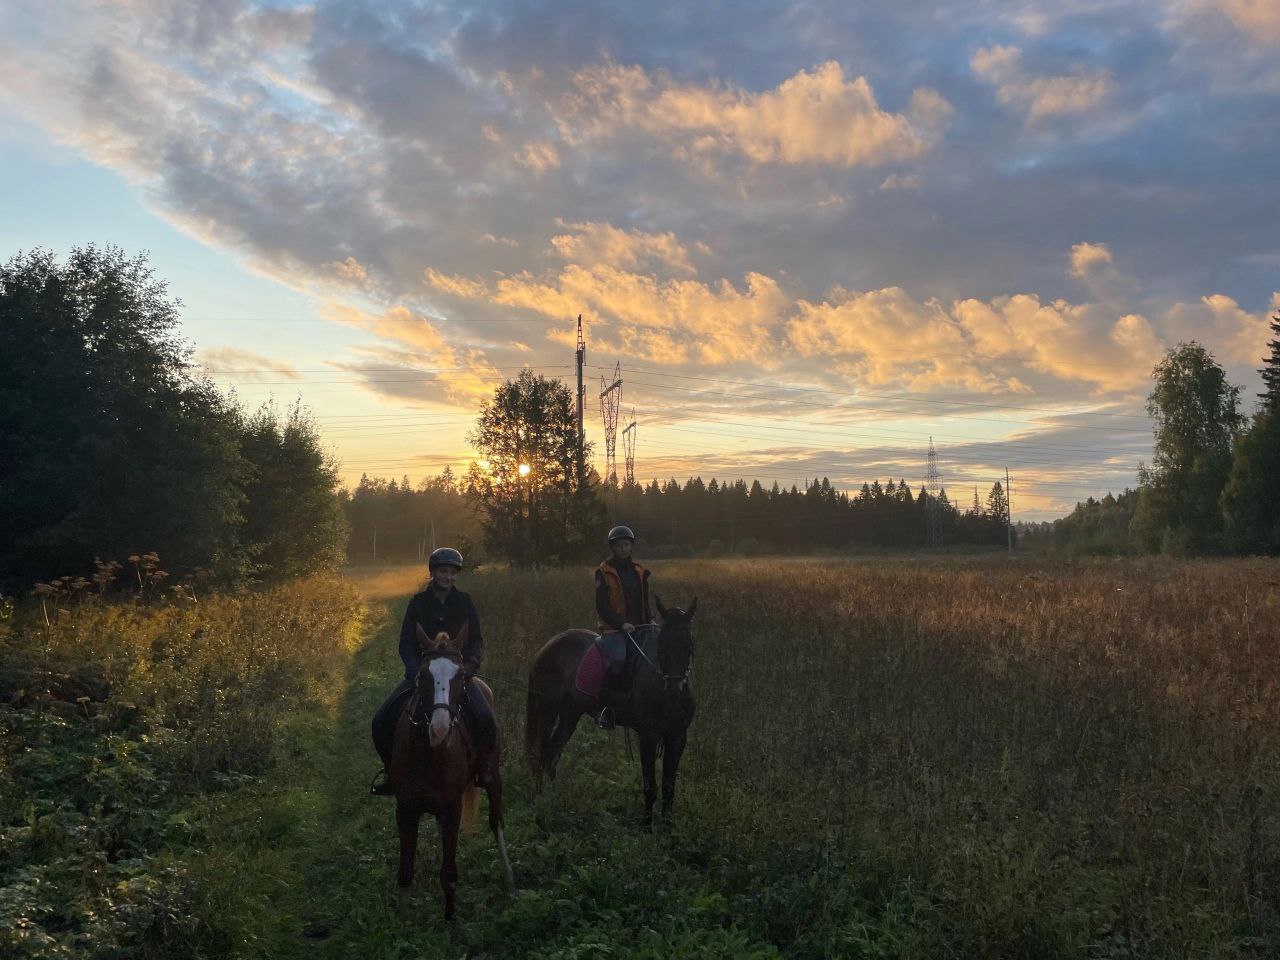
[293,519]
[1196,414]
[112,445]
[1251,499]
[539,513]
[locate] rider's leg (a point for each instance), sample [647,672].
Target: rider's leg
[478,716]
[384,729]
[614,648]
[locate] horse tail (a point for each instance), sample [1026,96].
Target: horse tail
[470,808]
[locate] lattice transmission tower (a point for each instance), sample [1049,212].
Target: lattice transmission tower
[629,448]
[580,360]
[933,508]
[610,401]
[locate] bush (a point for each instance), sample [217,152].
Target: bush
[111,715]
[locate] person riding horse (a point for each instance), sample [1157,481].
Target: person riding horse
[622,602]
[441,607]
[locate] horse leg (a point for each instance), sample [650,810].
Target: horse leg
[493,787]
[450,820]
[407,822]
[672,749]
[570,713]
[648,754]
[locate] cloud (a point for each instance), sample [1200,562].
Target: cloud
[816,118]
[1258,20]
[457,375]
[350,270]
[590,244]
[538,156]
[886,337]
[1088,257]
[233,363]
[901,181]
[1233,334]
[1039,97]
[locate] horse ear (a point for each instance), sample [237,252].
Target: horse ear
[423,639]
[693,608]
[460,640]
[662,611]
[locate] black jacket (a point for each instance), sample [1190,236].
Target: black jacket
[426,608]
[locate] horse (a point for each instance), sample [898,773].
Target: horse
[436,769]
[659,708]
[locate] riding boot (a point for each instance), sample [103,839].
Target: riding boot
[382,785]
[611,697]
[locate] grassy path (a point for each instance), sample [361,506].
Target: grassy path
[302,866]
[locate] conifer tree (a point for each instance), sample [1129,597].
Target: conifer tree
[1270,371]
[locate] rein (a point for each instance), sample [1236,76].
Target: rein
[667,678]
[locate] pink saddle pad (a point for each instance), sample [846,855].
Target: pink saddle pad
[590,673]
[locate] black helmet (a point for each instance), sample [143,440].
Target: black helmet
[620,532]
[444,557]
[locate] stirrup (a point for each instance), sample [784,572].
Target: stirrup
[604,719]
[384,789]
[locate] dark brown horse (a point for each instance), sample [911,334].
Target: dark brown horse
[435,767]
[659,708]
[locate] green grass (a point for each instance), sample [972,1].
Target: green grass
[304,865]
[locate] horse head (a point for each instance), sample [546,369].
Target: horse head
[675,645]
[440,675]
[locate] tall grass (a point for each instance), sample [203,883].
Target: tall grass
[969,758]
[110,715]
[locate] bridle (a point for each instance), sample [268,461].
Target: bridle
[668,678]
[417,718]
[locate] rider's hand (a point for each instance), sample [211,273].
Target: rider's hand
[628,628]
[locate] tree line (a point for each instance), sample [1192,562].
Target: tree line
[112,444]
[1213,483]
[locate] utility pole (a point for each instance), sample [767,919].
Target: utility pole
[629,448]
[1008,511]
[581,356]
[610,401]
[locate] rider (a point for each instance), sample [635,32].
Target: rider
[440,607]
[622,601]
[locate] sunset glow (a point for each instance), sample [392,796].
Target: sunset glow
[813,238]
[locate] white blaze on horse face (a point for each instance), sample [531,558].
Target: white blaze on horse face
[443,670]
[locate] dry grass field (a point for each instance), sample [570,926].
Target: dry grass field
[893,757]
[993,758]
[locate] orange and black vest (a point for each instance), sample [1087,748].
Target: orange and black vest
[618,596]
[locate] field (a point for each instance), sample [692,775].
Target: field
[892,758]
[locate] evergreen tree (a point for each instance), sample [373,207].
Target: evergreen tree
[998,504]
[1271,371]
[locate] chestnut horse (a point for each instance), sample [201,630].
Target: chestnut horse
[659,708]
[435,768]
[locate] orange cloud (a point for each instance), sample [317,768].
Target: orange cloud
[601,243]
[812,118]
[1039,97]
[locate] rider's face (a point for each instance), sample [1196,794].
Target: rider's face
[622,548]
[443,576]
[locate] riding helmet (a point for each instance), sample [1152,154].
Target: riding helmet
[444,557]
[620,533]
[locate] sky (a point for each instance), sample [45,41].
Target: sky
[814,235]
